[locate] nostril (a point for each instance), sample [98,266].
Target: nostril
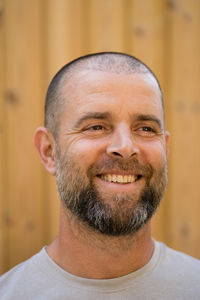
[117,153]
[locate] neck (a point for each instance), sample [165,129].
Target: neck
[85,253]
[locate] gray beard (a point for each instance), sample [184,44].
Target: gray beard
[80,196]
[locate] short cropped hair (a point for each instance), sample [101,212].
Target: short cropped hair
[111,62]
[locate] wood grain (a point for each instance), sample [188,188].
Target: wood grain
[24,190]
[184,103]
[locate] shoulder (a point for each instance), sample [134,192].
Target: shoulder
[179,258]
[179,266]
[17,278]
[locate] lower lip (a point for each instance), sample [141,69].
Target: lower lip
[119,187]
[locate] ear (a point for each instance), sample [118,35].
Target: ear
[167,138]
[45,145]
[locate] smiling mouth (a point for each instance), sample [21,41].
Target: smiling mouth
[121,179]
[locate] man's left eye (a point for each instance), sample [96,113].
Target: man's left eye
[147,129]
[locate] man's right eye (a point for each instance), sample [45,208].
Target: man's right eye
[95,130]
[96,127]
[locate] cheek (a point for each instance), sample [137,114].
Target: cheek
[153,152]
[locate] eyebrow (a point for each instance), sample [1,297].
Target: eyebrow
[141,117]
[93,115]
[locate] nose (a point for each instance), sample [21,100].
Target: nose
[122,143]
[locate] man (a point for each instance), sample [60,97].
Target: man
[105,141]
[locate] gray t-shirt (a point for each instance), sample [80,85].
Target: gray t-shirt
[168,275]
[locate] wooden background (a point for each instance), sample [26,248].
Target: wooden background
[36,38]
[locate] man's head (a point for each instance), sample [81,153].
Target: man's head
[105,141]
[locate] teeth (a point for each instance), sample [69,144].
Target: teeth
[125,178]
[114,178]
[119,178]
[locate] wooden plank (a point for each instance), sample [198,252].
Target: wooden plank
[65,26]
[147,33]
[66,39]
[146,38]
[184,96]
[3,236]
[107,21]
[23,96]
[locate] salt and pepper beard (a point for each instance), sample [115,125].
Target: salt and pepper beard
[80,195]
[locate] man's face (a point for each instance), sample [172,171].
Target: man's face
[111,150]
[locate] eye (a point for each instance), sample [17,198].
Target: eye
[147,131]
[96,127]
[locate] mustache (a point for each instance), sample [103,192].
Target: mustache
[131,165]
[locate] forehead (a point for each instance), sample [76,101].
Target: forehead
[121,94]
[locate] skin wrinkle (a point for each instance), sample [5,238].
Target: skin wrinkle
[69,90]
